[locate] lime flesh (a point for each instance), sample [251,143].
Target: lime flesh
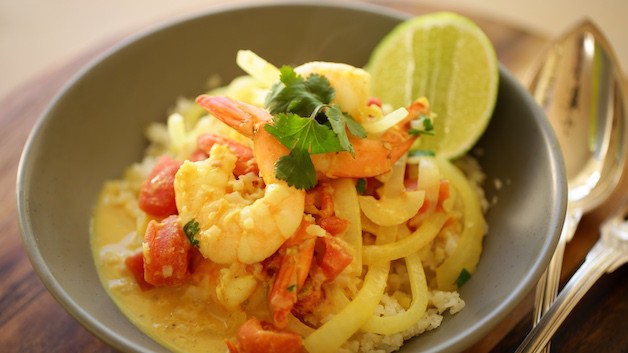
[449,60]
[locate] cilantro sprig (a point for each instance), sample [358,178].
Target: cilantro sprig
[191,229]
[428,127]
[463,277]
[307,122]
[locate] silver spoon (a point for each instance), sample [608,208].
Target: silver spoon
[576,86]
[608,253]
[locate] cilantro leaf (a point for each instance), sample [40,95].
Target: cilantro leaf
[421,153]
[297,169]
[190,229]
[463,277]
[355,128]
[428,127]
[297,95]
[338,124]
[306,122]
[360,186]
[295,132]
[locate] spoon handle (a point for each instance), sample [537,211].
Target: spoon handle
[605,256]
[547,288]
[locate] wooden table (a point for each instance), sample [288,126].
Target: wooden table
[32,321]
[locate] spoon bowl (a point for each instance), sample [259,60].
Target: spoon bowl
[575,86]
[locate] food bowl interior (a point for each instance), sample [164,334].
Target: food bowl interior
[94,129]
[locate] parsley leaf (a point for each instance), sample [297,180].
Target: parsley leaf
[190,229]
[306,122]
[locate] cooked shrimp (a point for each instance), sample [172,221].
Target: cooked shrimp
[319,202]
[350,83]
[295,258]
[245,162]
[233,226]
[373,156]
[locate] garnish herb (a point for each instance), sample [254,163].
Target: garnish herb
[428,127]
[190,229]
[306,122]
[360,186]
[463,277]
[421,153]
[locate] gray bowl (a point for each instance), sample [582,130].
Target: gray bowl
[94,128]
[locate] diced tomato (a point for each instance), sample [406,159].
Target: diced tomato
[166,253]
[245,162]
[198,155]
[135,264]
[374,101]
[333,225]
[443,192]
[255,336]
[425,206]
[157,197]
[372,184]
[333,258]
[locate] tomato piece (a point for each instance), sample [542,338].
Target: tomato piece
[255,336]
[198,155]
[166,253]
[374,101]
[334,258]
[157,197]
[443,192]
[333,225]
[135,264]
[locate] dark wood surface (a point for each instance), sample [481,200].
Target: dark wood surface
[32,321]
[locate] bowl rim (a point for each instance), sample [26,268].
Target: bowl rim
[101,331]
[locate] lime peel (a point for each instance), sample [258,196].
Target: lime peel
[450,60]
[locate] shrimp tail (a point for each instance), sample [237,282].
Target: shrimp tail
[244,118]
[295,260]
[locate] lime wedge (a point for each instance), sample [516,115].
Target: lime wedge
[448,59]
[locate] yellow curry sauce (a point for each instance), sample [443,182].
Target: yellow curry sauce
[176,317]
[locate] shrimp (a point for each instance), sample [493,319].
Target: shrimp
[244,163]
[235,226]
[313,254]
[295,258]
[351,85]
[319,202]
[373,156]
